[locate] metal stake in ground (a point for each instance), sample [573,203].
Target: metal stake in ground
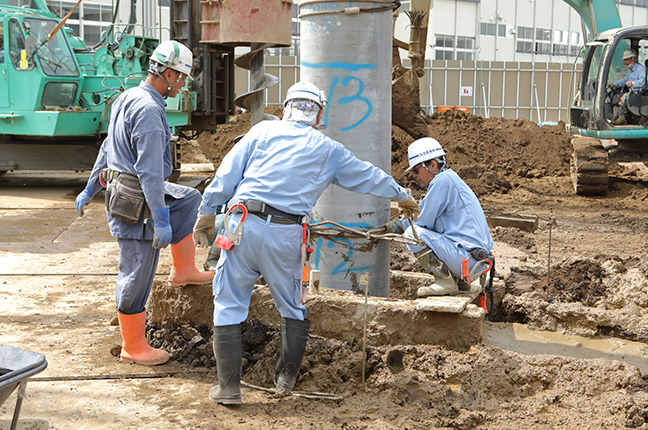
[364,281]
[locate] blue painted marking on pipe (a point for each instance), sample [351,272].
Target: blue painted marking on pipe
[340,268]
[349,99]
[337,65]
[348,224]
[349,259]
[317,252]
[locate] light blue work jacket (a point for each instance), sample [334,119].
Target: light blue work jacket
[287,165]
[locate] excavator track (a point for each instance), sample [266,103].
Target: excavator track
[589,166]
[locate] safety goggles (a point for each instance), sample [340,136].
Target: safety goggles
[416,168]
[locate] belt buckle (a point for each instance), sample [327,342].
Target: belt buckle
[255,206]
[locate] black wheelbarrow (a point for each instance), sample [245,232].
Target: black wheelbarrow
[16,365]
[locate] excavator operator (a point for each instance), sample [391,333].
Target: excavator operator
[275,174]
[146,213]
[634,80]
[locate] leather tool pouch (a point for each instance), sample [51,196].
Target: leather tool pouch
[125,199]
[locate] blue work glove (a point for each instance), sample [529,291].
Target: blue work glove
[83,199]
[395,226]
[161,228]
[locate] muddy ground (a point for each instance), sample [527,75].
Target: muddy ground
[581,279]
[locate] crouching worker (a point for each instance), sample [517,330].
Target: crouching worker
[451,223]
[275,174]
[144,212]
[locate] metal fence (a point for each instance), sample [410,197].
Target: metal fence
[538,92]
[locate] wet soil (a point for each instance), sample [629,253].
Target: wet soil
[583,271]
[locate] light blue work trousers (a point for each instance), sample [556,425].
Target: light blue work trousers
[138,259]
[447,250]
[268,249]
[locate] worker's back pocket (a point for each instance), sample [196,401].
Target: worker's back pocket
[125,203]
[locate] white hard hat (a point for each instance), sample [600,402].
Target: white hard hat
[306,91]
[629,53]
[422,150]
[174,55]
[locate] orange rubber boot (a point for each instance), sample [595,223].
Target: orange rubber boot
[135,349]
[183,270]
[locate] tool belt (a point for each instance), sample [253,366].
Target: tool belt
[264,211]
[125,199]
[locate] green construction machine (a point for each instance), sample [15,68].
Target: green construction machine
[56,93]
[591,114]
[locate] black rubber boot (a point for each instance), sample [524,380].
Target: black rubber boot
[294,335]
[229,355]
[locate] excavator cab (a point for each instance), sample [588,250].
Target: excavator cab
[593,109]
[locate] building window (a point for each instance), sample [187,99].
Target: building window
[524,47]
[641,3]
[486,29]
[489,29]
[87,21]
[547,42]
[446,45]
[465,48]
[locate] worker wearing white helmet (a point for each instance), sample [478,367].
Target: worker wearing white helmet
[277,171]
[451,223]
[145,213]
[634,79]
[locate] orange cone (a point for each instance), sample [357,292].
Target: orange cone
[135,349]
[183,270]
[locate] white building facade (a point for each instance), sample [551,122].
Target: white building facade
[547,31]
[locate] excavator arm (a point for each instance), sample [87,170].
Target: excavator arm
[406,99]
[597,15]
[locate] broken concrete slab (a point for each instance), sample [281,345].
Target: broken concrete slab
[453,322]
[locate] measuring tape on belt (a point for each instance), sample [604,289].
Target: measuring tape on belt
[232,238]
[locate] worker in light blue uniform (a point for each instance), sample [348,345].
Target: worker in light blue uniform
[134,161]
[451,222]
[277,171]
[634,79]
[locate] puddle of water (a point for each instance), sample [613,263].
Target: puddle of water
[32,225]
[518,338]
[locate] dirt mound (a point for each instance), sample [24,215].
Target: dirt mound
[488,153]
[426,386]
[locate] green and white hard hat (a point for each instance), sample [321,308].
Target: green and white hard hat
[173,55]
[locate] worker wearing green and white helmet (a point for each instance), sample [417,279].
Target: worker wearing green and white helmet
[171,62]
[146,213]
[634,79]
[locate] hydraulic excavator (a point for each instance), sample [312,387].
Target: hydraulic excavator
[56,92]
[590,114]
